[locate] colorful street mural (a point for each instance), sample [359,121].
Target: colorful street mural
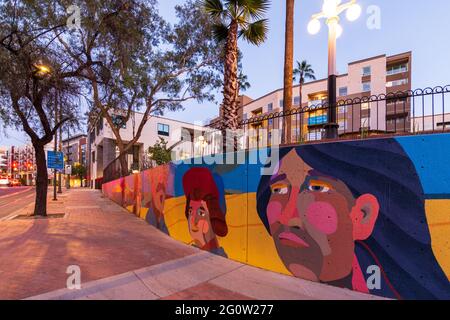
[371,216]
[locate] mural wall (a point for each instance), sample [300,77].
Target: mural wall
[371,216]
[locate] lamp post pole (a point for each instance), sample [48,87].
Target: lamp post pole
[331,128]
[330,12]
[55,147]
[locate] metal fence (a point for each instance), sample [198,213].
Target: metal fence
[421,111]
[400,113]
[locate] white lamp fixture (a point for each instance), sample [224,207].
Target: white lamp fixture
[331,10]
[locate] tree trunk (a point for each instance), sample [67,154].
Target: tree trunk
[40,207]
[288,69]
[123,165]
[230,83]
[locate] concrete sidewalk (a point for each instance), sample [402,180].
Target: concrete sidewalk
[122,257]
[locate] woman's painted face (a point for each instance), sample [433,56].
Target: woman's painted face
[310,221]
[199,223]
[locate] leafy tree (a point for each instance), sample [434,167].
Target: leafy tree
[302,72]
[138,62]
[80,171]
[34,81]
[159,153]
[234,19]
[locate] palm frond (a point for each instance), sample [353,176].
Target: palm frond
[256,32]
[213,7]
[256,9]
[220,31]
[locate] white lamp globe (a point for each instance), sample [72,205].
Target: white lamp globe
[354,12]
[314,26]
[330,8]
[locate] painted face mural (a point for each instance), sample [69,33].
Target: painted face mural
[334,211]
[205,209]
[314,220]
[155,194]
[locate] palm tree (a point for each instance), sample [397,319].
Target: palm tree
[244,85]
[303,72]
[235,19]
[288,68]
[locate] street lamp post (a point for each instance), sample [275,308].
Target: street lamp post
[330,12]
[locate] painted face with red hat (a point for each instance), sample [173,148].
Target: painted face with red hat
[206,216]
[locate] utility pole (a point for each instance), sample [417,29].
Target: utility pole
[60,150]
[55,147]
[68,157]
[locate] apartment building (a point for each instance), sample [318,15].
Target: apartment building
[18,162]
[430,123]
[372,76]
[102,147]
[75,150]
[4,155]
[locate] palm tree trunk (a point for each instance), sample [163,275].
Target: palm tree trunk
[288,69]
[230,89]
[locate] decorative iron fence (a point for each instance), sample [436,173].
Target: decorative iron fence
[400,113]
[421,111]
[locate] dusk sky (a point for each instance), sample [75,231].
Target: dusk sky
[418,26]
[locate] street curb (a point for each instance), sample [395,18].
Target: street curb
[9,217]
[15,193]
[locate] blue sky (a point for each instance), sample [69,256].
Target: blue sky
[418,26]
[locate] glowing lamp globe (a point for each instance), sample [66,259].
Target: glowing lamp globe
[314,26]
[354,12]
[330,8]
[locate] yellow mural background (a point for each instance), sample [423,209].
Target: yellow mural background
[249,242]
[438,217]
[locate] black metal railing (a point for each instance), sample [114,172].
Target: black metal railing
[398,113]
[421,111]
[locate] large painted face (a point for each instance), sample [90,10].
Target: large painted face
[158,199]
[314,220]
[200,223]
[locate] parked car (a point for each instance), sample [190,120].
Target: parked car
[15,183]
[4,182]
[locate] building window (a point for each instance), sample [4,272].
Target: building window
[343,92]
[281,103]
[396,69]
[244,116]
[314,136]
[365,122]
[270,107]
[342,124]
[93,156]
[119,121]
[395,83]
[365,106]
[296,101]
[163,129]
[366,87]
[99,125]
[366,71]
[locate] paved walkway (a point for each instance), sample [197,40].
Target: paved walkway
[122,257]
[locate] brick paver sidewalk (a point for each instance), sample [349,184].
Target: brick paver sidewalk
[122,257]
[97,235]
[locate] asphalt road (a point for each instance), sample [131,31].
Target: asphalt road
[11,202]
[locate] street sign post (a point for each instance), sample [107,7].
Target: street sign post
[55,160]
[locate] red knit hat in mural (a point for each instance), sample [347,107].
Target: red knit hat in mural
[199,184]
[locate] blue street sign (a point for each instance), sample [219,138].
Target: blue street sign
[55,160]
